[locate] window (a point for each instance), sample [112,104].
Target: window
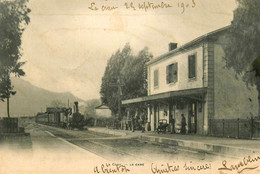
[192,66]
[172,73]
[156,78]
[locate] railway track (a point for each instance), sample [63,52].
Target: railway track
[128,147]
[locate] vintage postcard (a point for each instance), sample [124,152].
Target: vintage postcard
[129,86]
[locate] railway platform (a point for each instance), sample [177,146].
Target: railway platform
[221,146]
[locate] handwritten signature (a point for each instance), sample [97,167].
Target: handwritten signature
[241,166]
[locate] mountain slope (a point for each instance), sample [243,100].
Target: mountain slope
[30,99]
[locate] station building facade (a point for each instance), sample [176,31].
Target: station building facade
[192,80]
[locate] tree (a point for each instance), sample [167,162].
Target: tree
[90,107]
[135,75]
[6,90]
[114,69]
[13,19]
[131,71]
[243,46]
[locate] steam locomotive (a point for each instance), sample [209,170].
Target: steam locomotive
[61,117]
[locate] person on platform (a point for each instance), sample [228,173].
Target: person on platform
[183,124]
[133,123]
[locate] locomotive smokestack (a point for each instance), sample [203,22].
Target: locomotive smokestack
[76,106]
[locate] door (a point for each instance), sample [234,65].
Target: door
[192,118]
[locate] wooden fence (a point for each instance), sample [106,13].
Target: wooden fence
[235,128]
[9,125]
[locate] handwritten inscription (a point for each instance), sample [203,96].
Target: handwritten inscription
[108,168]
[164,168]
[184,6]
[94,7]
[171,168]
[196,167]
[144,6]
[149,5]
[248,163]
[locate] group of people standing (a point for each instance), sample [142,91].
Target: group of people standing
[137,122]
[183,125]
[134,122]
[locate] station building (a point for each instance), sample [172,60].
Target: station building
[103,111]
[192,80]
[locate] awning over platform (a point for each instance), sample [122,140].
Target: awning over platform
[171,94]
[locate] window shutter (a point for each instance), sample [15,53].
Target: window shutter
[167,74]
[176,72]
[192,67]
[172,73]
[189,65]
[156,78]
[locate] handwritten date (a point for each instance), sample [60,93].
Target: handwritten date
[184,6]
[145,6]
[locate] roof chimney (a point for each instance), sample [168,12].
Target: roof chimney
[172,46]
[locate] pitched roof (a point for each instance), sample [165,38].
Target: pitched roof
[185,46]
[103,106]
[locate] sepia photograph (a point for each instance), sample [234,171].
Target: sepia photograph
[129,86]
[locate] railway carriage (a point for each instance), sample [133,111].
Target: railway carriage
[60,117]
[54,116]
[42,118]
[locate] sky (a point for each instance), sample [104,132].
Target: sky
[67,45]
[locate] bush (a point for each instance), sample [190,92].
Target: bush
[106,122]
[89,121]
